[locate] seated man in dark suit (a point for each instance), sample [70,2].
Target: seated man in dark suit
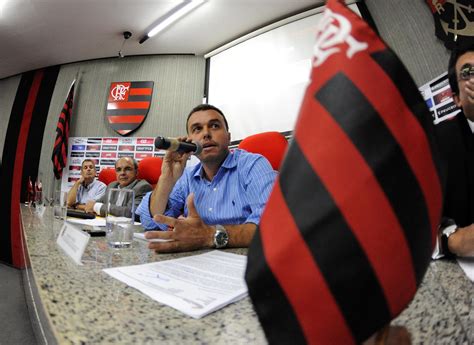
[456,145]
[126,169]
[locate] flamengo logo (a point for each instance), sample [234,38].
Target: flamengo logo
[119,91]
[128,104]
[334,29]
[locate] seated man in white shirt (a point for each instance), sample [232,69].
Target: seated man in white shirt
[87,188]
[455,139]
[126,169]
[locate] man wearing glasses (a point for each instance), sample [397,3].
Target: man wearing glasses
[456,145]
[126,169]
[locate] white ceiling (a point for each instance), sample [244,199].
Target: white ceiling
[40,33]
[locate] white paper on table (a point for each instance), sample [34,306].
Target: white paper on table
[195,285]
[97,221]
[467,264]
[141,236]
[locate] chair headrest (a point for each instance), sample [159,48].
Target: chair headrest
[271,145]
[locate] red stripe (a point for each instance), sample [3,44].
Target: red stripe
[304,285]
[140,91]
[404,127]
[360,199]
[18,259]
[128,105]
[126,119]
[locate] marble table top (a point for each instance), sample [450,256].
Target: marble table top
[84,305]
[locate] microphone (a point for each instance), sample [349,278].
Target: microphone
[172,144]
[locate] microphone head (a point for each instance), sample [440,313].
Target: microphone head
[198,148]
[161,143]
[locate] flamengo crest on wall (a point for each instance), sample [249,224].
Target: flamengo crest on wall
[128,104]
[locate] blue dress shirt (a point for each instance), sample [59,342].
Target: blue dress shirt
[236,195]
[93,191]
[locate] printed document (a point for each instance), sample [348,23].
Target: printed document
[196,285]
[467,264]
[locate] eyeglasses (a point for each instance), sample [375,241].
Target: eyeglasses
[126,169]
[467,72]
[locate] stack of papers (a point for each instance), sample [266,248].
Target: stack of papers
[195,285]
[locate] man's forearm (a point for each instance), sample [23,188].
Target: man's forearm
[240,235]
[461,243]
[71,196]
[159,197]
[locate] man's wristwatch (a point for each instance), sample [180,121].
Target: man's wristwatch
[444,239]
[221,237]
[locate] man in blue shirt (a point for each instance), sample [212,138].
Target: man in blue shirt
[86,188]
[221,199]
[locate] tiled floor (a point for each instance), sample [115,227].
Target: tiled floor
[15,326]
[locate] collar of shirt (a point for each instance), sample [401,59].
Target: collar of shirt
[229,162]
[471,125]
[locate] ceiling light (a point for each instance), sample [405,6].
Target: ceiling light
[2,3]
[174,15]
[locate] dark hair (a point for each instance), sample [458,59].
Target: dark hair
[87,160]
[135,164]
[204,107]
[452,73]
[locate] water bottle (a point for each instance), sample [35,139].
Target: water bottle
[38,191]
[29,192]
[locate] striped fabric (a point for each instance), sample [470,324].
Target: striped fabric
[357,201]
[236,195]
[21,155]
[59,156]
[128,104]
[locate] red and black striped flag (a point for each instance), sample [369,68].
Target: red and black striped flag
[128,105]
[348,231]
[59,156]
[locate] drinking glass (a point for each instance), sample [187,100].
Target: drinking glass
[60,205]
[120,218]
[39,203]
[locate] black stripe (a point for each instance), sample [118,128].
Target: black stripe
[8,163]
[337,252]
[127,126]
[139,98]
[141,84]
[389,62]
[115,112]
[368,132]
[38,122]
[274,312]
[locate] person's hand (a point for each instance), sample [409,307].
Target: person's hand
[89,206]
[174,163]
[81,180]
[468,106]
[461,243]
[188,234]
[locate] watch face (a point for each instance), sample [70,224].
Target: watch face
[221,238]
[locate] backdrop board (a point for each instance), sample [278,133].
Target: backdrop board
[439,98]
[104,152]
[259,83]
